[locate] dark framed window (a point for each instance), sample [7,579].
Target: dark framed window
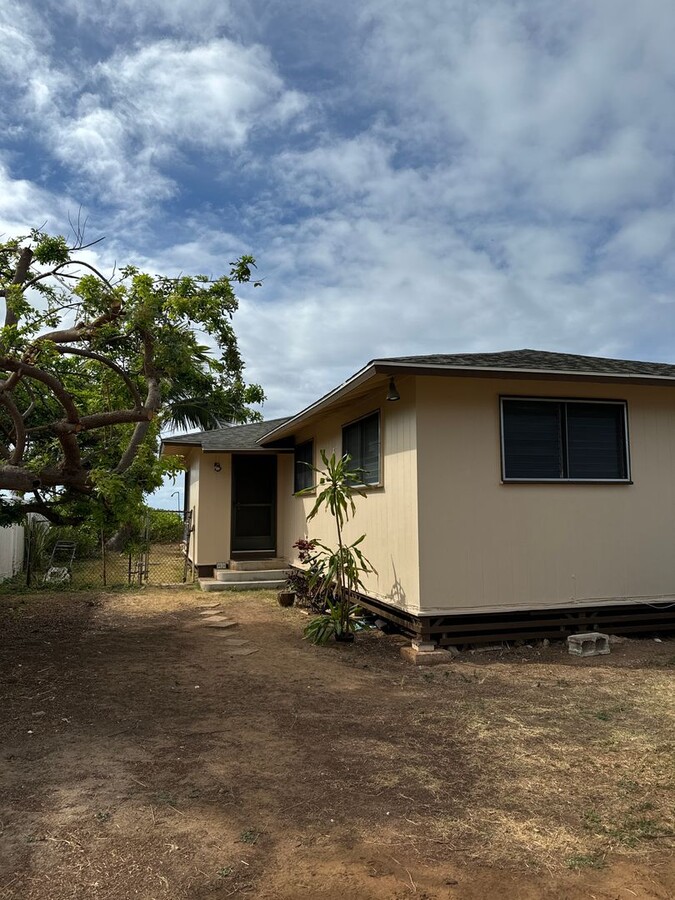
[304,459]
[361,440]
[564,440]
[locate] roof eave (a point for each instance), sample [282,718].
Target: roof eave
[178,444]
[390,367]
[340,391]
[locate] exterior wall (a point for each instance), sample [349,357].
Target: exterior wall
[192,464]
[388,515]
[486,546]
[213,502]
[11,550]
[287,509]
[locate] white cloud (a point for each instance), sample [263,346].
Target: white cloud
[479,176]
[119,125]
[24,205]
[197,18]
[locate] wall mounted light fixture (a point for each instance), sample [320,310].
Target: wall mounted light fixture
[392,393]
[217,467]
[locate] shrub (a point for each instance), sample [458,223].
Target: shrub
[165,526]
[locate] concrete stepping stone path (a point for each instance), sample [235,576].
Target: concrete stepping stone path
[213,616]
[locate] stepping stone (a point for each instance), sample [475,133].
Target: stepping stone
[221,624]
[207,614]
[234,642]
[242,651]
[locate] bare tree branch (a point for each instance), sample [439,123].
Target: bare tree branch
[90,354]
[129,455]
[72,461]
[19,428]
[29,371]
[102,420]
[64,265]
[20,274]
[82,331]
[19,478]
[152,402]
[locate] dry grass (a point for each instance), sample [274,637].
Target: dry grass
[337,763]
[571,764]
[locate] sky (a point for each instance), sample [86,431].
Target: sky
[428,177]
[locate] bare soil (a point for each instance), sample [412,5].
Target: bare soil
[145,755]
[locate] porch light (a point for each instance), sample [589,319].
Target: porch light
[217,467]
[392,393]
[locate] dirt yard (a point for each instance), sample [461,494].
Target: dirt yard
[147,755]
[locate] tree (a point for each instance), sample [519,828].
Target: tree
[93,366]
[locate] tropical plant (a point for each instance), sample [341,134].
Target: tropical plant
[336,573]
[338,622]
[300,581]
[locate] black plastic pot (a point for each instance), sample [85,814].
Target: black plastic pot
[286,598]
[345,638]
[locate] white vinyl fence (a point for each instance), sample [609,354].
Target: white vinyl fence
[11,550]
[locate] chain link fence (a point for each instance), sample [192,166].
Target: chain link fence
[77,558]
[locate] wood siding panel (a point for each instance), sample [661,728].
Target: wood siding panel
[388,515]
[214,509]
[192,463]
[485,545]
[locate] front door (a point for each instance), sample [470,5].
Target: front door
[254,503]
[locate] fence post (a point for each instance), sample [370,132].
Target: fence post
[29,555]
[103,558]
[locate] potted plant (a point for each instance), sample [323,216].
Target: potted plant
[286,598]
[337,623]
[335,573]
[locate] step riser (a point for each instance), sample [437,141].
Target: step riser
[226,575]
[255,565]
[211,585]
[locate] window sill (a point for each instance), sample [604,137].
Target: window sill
[566,481]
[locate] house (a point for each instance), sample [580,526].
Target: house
[514,494]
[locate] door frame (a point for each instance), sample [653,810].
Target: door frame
[254,554]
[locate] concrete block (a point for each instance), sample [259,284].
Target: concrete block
[426,657]
[423,646]
[591,643]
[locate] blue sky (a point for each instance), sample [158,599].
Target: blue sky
[440,176]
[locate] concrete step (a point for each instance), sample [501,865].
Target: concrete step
[212,584]
[254,565]
[227,575]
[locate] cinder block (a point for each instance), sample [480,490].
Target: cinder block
[426,657]
[591,643]
[424,646]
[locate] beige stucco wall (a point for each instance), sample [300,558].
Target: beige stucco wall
[191,460]
[214,509]
[388,515]
[485,545]
[211,501]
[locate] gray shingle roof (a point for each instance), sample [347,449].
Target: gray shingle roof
[230,437]
[247,437]
[541,360]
